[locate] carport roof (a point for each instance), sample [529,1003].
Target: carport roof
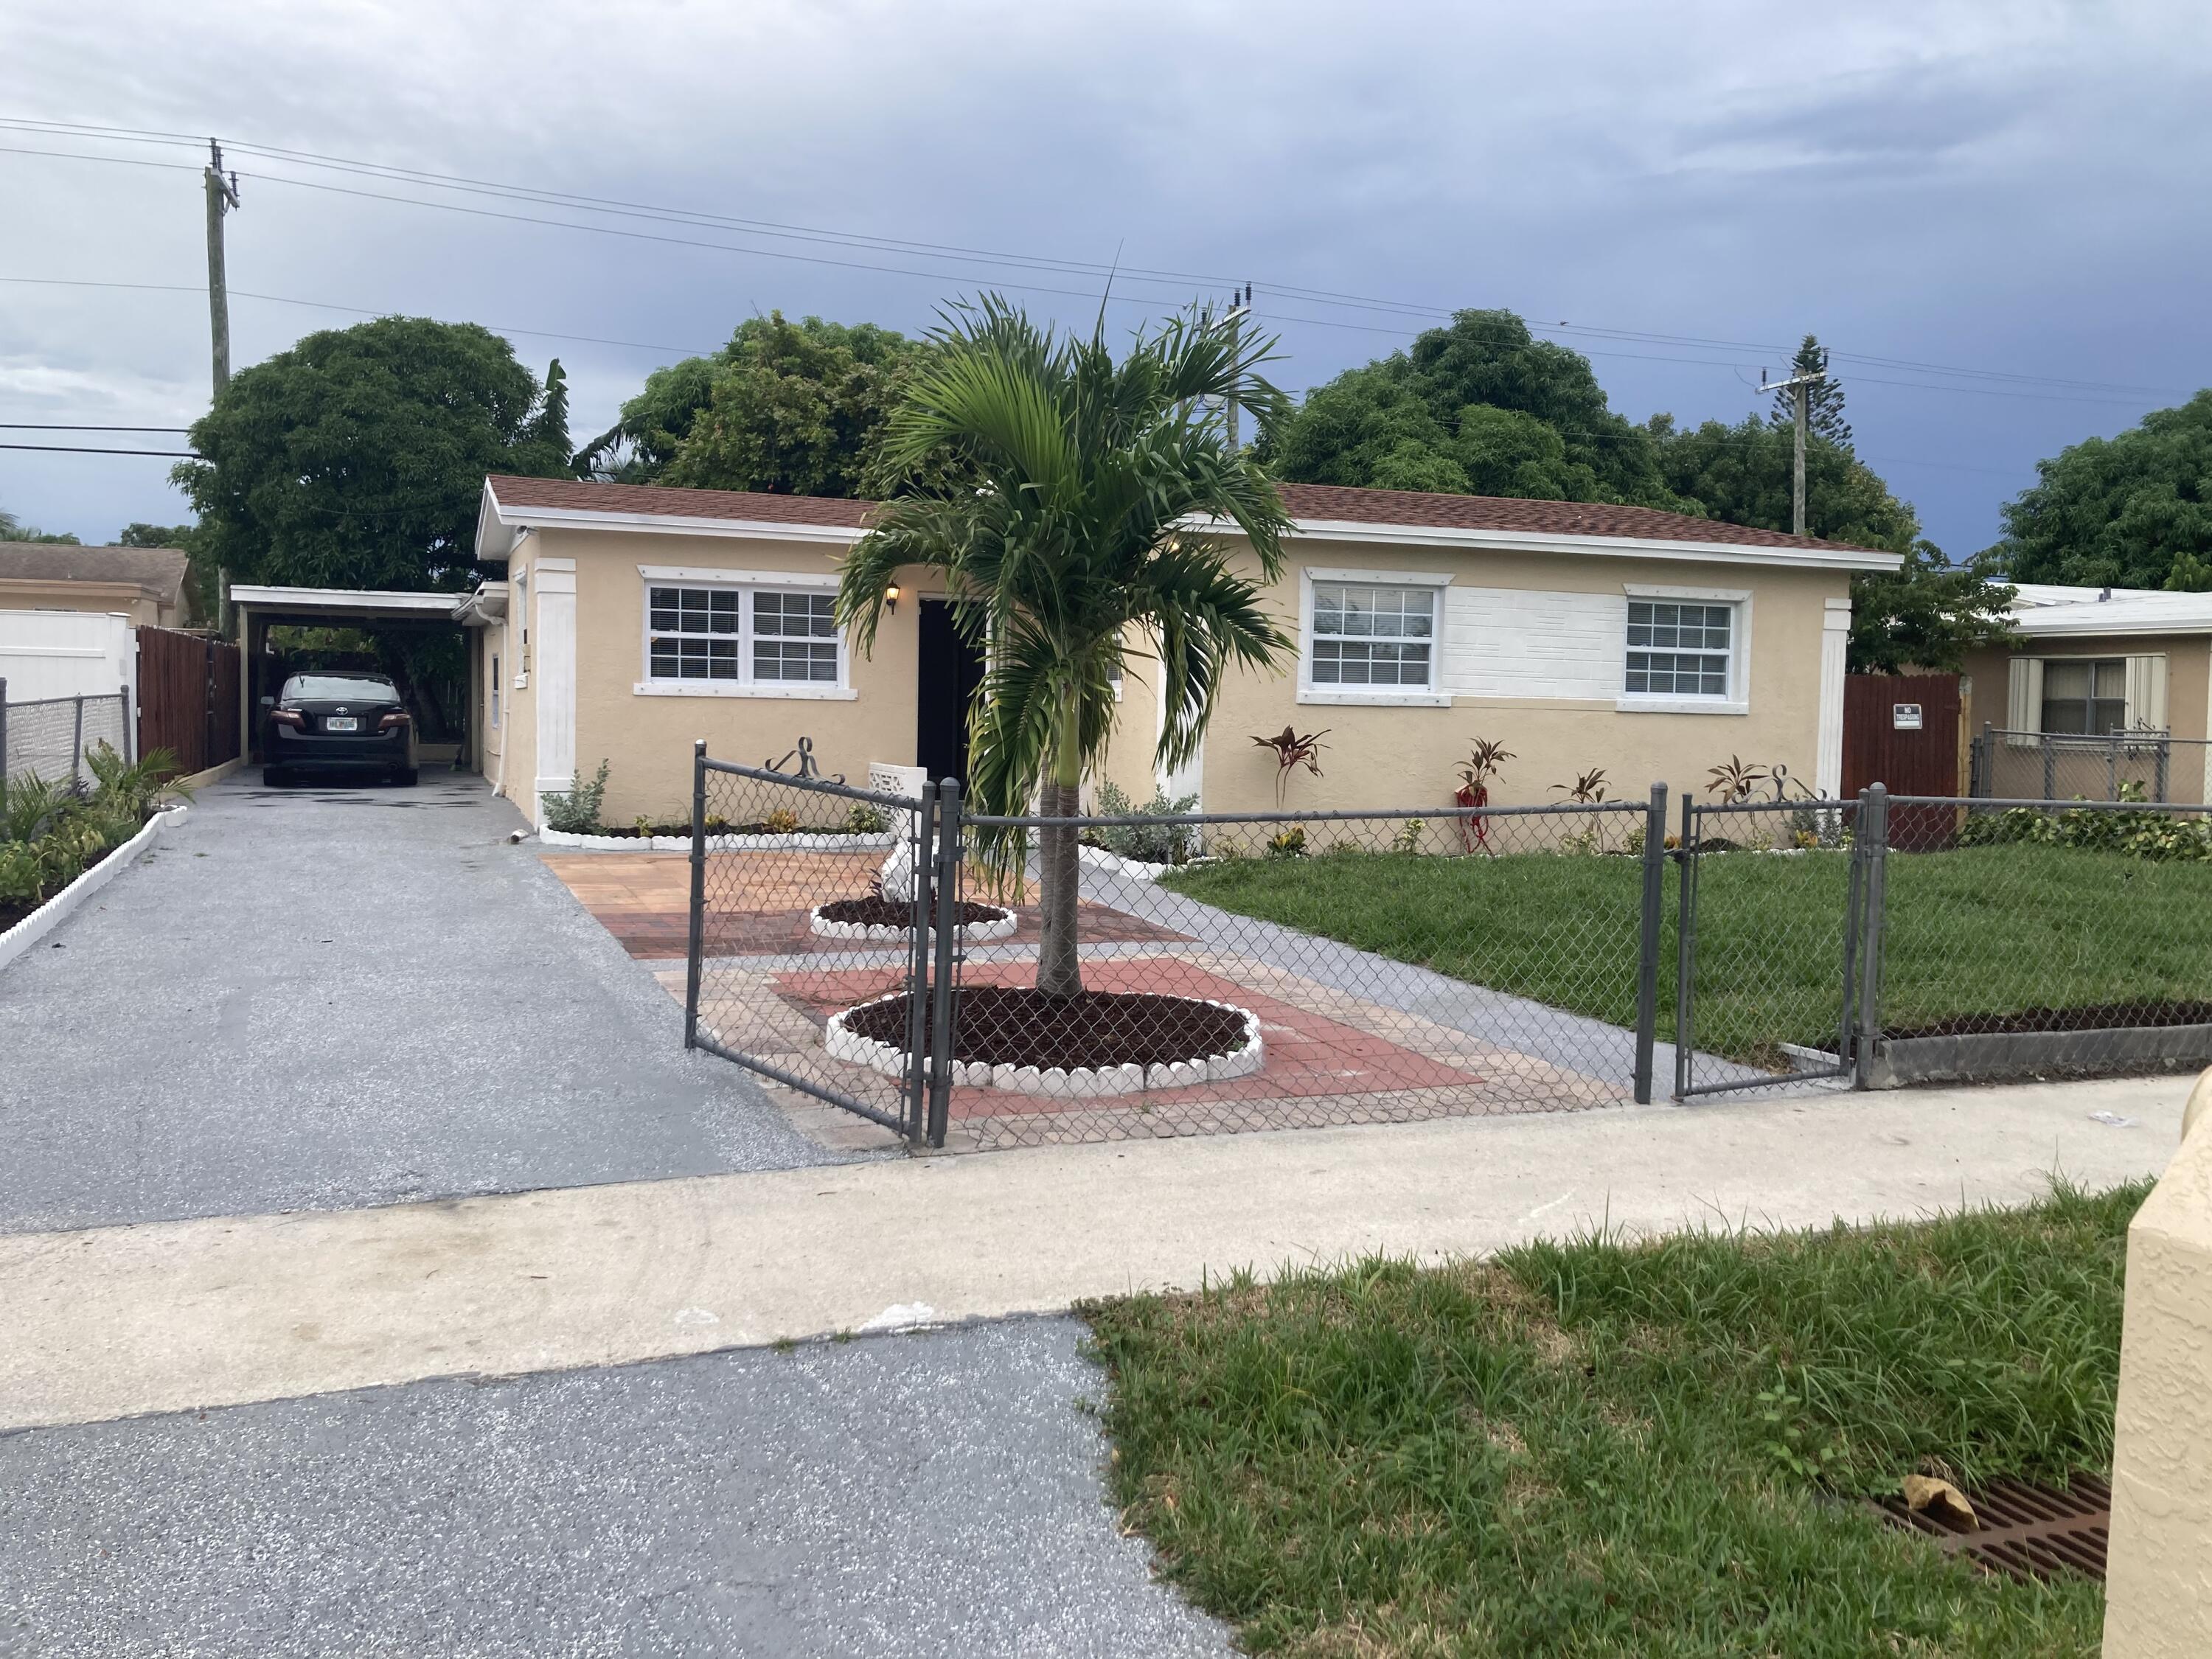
[348,604]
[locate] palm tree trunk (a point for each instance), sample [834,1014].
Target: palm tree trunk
[1059,968]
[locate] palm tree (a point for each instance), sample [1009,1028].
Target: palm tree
[1083,521]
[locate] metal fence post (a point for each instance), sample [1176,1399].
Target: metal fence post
[695,943]
[1981,778]
[1686,938]
[922,912]
[130,722]
[2163,763]
[1647,955]
[950,847]
[1873,835]
[77,746]
[3,742]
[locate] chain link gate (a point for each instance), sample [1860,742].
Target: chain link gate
[810,898]
[1777,969]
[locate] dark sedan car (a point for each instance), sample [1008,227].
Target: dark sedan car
[339,723]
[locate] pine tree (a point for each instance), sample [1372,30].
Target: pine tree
[1824,412]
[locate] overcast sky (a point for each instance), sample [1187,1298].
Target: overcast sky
[2017,191]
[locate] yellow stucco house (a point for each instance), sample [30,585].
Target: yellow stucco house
[634,619]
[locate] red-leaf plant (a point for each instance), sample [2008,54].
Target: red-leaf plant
[1483,763]
[1293,749]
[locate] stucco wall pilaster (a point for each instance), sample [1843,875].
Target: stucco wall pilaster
[1835,659]
[553,671]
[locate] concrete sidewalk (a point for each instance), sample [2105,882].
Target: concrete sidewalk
[173,1315]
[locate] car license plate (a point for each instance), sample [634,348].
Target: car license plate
[343,723]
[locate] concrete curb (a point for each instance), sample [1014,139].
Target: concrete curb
[200,781]
[2006,1056]
[51,915]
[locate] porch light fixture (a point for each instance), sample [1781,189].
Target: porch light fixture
[891,597]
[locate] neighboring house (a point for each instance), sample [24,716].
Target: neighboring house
[145,583]
[2092,662]
[634,619]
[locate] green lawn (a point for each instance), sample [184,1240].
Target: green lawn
[1977,930]
[1589,1448]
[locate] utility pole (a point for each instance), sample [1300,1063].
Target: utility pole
[1240,308]
[221,198]
[1800,387]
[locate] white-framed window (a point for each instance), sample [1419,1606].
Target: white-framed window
[1368,633]
[708,635]
[1372,636]
[1680,648]
[1685,651]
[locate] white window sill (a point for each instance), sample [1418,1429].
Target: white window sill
[724,688]
[1340,696]
[1681,706]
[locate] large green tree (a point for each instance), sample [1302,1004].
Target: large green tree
[1478,408]
[357,457]
[1063,530]
[2133,511]
[792,408]
[1927,614]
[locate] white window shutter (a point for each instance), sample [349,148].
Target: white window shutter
[2024,699]
[2147,692]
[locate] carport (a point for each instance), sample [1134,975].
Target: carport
[261,608]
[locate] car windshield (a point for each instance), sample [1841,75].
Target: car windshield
[357,688]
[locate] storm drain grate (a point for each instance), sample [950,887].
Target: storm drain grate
[2028,1531]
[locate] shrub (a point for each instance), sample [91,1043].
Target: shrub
[2158,836]
[576,811]
[1288,843]
[865,820]
[1147,843]
[781,821]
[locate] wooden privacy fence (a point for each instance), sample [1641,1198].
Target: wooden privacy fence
[187,697]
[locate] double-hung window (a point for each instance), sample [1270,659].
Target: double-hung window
[1677,648]
[732,637]
[1367,634]
[2085,696]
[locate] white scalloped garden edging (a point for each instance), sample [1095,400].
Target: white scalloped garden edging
[1084,1082]
[969,932]
[799,843]
[48,916]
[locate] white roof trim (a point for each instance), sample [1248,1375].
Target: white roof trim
[345,598]
[2114,617]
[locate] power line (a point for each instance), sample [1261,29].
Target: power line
[59,426]
[83,449]
[954,253]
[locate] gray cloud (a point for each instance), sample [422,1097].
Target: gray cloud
[1950,182]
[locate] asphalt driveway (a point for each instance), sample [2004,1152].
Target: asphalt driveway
[326,998]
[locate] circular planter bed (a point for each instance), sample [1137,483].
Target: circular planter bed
[890,921]
[1100,1042]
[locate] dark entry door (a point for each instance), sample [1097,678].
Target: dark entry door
[950,670]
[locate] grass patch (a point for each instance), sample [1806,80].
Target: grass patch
[1600,1449]
[1972,930]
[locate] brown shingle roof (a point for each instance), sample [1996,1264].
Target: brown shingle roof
[1413,506]
[574,494]
[1306,502]
[158,571]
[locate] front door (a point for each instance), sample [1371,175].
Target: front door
[950,671]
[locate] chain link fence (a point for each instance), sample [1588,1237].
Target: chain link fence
[2047,766]
[805,905]
[50,739]
[1000,981]
[2041,937]
[1769,907]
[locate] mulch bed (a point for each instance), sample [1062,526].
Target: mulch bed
[2104,1017]
[873,912]
[1010,1025]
